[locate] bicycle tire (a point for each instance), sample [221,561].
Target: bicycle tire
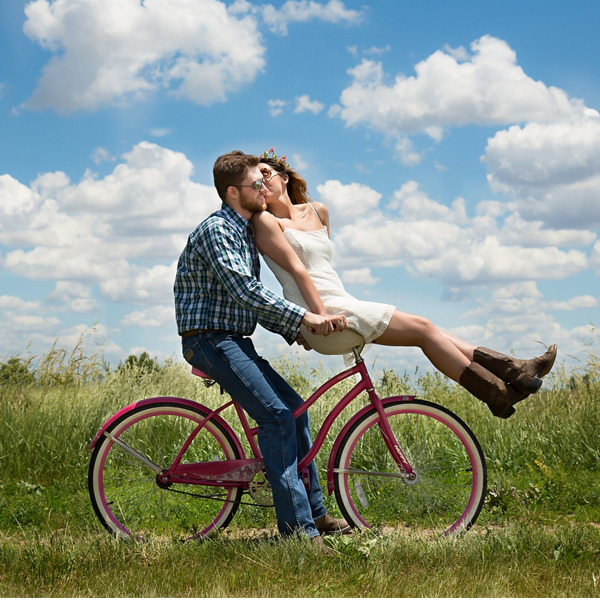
[124,492]
[449,491]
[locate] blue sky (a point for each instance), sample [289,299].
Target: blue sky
[456,144]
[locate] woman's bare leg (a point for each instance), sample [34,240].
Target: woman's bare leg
[448,354]
[465,347]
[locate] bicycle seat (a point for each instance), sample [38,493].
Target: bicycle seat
[200,373]
[338,342]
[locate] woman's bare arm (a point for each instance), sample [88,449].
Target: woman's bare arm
[271,242]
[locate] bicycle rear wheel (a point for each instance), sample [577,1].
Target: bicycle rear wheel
[448,492]
[125,493]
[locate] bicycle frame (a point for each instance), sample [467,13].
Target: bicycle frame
[240,472]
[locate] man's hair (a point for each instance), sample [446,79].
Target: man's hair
[230,169]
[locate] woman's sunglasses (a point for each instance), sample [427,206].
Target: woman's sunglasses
[268,174]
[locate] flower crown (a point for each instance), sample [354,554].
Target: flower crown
[270,154]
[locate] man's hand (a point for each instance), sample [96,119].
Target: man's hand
[324,324]
[302,342]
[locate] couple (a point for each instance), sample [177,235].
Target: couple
[219,299]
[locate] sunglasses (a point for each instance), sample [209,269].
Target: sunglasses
[268,174]
[255,186]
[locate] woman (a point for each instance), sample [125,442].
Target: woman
[293,236]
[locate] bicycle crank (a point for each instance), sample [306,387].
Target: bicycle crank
[260,489]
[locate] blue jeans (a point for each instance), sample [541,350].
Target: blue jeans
[232,361]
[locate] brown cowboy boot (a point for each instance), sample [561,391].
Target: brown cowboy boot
[524,375]
[499,396]
[540,365]
[327,524]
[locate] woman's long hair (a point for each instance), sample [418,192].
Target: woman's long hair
[296,185]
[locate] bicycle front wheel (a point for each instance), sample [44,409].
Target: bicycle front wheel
[125,493]
[448,491]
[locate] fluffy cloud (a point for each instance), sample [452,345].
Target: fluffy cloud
[552,170]
[452,88]
[487,88]
[303,11]
[154,316]
[547,162]
[444,243]
[576,303]
[305,104]
[73,297]
[359,276]
[348,202]
[109,51]
[115,231]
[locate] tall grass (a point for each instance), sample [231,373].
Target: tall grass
[538,535]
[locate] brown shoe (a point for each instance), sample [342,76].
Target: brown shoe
[499,396]
[327,525]
[523,375]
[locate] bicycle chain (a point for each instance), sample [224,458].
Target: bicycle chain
[213,497]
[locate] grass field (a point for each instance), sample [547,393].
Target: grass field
[538,535]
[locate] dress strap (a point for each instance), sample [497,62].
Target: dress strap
[316,213]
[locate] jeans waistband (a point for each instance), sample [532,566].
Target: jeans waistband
[192,332]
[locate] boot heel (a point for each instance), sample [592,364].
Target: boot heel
[527,384]
[508,412]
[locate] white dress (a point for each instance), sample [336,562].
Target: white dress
[369,319]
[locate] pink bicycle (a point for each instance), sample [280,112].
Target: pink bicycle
[171,467]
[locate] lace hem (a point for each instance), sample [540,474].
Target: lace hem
[381,326]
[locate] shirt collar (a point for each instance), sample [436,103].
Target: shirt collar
[234,217]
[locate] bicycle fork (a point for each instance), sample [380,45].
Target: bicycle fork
[406,471]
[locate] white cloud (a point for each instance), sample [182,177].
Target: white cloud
[305,104]
[452,88]
[113,231]
[595,258]
[109,51]
[142,285]
[276,107]
[488,260]
[154,316]
[101,155]
[348,202]
[160,132]
[517,231]
[577,303]
[415,205]
[34,324]
[16,199]
[18,304]
[74,297]
[374,50]
[552,170]
[432,240]
[303,11]
[359,276]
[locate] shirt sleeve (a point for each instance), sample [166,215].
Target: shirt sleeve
[227,254]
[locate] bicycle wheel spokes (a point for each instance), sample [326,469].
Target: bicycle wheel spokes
[447,493]
[124,490]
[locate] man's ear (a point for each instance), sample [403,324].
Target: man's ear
[232,193]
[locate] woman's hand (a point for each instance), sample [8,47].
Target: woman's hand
[324,324]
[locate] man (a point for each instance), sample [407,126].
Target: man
[219,299]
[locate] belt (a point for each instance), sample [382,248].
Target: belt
[192,332]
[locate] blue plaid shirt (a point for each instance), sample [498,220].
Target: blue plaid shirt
[217,283]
